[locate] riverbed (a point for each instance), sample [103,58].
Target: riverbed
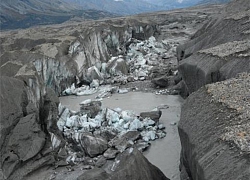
[163,153]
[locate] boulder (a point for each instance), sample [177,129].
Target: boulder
[154,115]
[131,164]
[122,144]
[131,135]
[93,145]
[160,71]
[117,66]
[107,134]
[141,145]
[101,161]
[131,79]
[94,174]
[94,73]
[91,108]
[110,153]
[161,81]
[125,141]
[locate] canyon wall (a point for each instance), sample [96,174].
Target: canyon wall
[37,61]
[28,115]
[61,52]
[60,59]
[218,51]
[214,126]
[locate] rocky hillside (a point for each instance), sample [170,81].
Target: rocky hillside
[22,14]
[129,7]
[122,7]
[214,1]
[214,143]
[26,13]
[174,3]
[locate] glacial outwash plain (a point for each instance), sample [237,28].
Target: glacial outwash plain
[94,95]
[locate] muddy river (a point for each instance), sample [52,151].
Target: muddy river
[163,153]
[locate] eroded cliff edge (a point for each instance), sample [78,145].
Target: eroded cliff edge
[28,114]
[214,131]
[214,126]
[219,50]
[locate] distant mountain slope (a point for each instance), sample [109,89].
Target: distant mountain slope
[173,3]
[124,7]
[214,1]
[35,6]
[128,7]
[25,13]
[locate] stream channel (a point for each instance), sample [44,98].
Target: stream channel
[163,153]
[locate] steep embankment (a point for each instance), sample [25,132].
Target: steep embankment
[214,131]
[219,50]
[61,56]
[214,125]
[28,115]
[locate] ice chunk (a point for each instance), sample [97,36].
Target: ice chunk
[128,115]
[136,125]
[72,121]
[86,102]
[112,116]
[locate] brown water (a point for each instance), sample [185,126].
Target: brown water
[164,153]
